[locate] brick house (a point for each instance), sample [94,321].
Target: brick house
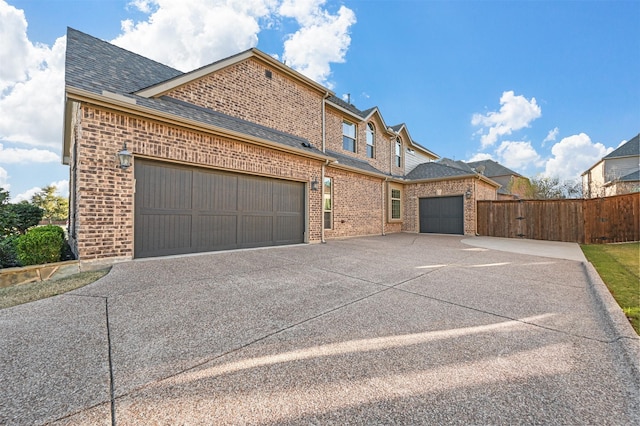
[244,152]
[616,173]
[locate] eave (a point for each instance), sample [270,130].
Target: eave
[127,105]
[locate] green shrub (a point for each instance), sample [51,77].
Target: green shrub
[17,218]
[40,245]
[8,255]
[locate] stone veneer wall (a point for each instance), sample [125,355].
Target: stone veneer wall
[104,194]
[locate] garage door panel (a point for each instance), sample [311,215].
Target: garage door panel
[255,231]
[174,238]
[288,230]
[215,231]
[181,209]
[442,215]
[215,191]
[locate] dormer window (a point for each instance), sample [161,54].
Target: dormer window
[398,152]
[348,136]
[371,140]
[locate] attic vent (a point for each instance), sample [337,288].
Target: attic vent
[267,73]
[306,144]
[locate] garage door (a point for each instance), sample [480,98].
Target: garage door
[442,215]
[183,209]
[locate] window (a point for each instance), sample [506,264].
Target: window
[371,138]
[398,152]
[396,200]
[349,136]
[327,203]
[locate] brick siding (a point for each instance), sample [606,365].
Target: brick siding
[242,90]
[104,194]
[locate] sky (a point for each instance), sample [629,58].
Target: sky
[546,88]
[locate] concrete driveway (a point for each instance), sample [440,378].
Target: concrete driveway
[401,329]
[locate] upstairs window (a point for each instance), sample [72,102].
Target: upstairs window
[348,136]
[398,152]
[371,140]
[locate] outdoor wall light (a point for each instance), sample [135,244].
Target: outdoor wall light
[468,194]
[314,185]
[124,157]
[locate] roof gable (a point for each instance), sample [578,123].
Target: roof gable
[436,171]
[165,86]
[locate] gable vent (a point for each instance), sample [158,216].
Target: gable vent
[267,73]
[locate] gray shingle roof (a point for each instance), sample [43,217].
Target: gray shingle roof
[354,162]
[492,168]
[436,171]
[631,177]
[95,65]
[630,148]
[346,105]
[456,164]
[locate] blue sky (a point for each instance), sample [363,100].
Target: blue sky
[543,87]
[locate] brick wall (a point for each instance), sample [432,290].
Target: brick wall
[243,90]
[104,194]
[480,191]
[357,204]
[383,148]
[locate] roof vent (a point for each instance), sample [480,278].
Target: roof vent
[268,74]
[307,145]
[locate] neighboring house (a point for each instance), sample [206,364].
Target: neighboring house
[512,184]
[244,152]
[616,173]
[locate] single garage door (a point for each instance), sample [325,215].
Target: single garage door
[442,215]
[182,209]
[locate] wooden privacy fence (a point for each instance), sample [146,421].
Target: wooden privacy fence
[597,220]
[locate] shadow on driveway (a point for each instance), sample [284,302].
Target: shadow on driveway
[405,329]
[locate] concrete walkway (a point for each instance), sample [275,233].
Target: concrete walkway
[402,329]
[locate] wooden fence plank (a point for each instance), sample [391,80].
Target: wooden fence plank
[591,221]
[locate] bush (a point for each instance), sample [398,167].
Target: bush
[40,245]
[17,218]
[8,255]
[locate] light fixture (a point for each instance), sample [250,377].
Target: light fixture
[468,194]
[314,185]
[124,157]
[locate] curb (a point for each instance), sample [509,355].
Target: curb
[624,337]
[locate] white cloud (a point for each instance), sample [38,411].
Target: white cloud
[21,155]
[480,156]
[4,179]
[518,155]
[31,84]
[516,112]
[189,37]
[322,39]
[551,136]
[62,189]
[573,155]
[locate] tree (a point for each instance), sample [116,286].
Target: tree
[55,207]
[545,187]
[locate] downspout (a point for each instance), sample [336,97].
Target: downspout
[475,204]
[384,208]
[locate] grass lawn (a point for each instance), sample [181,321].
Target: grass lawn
[619,268]
[18,294]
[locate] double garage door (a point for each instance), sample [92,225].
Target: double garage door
[442,215]
[180,209]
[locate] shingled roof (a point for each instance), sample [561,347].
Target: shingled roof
[628,149]
[492,168]
[97,66]
[354,163]
[436,171]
